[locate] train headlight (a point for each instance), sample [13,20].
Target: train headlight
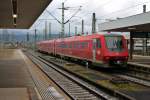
[118,62]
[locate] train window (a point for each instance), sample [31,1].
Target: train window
[98,43]
[63,45]
[83,44]
[114,43]
[66,45]
[76,45]
[70,45]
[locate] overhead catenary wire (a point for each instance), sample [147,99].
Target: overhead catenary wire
[84,14]
[73,15]
[53,16]
[90,12]
[102,16]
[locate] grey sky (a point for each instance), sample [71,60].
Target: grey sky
[104,9]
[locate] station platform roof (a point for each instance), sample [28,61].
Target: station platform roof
[27,10]
[136,23]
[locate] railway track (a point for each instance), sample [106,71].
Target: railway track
[112,93]
[73,87]
[131,74]
[133,77]
[135,80]
[138,76]
[137,72]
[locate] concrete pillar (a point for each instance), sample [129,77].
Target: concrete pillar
[131,46]
[144,46]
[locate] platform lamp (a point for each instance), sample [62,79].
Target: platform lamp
[14,12]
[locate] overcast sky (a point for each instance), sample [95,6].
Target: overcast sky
[104,9]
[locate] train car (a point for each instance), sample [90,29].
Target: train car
[46,46]
[102,49]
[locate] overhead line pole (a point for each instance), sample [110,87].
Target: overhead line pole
[63,19]
[144,8]
[82,27]
[45,30]
[69,30]
[50,31]
[27,37]
[93,23]
[76,30]
[62,27]
[35,39]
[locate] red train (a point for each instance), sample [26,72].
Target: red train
[104,49]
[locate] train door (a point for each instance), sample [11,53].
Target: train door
[94,50]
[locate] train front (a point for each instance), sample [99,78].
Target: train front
[115,51]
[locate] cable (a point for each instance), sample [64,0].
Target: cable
[101,5]
[73,15]
[119,10]
[53,16]
[90,12]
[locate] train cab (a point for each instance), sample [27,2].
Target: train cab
[109,49]
[115,49]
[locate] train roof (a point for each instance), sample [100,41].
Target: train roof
[75,38]
[81,38]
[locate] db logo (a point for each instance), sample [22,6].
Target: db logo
[98,52]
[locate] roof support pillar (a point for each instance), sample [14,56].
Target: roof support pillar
[131,46]
[145,46]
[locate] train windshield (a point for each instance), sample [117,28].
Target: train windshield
[114,43]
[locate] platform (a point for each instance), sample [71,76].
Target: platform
[16,82]
[140,60]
